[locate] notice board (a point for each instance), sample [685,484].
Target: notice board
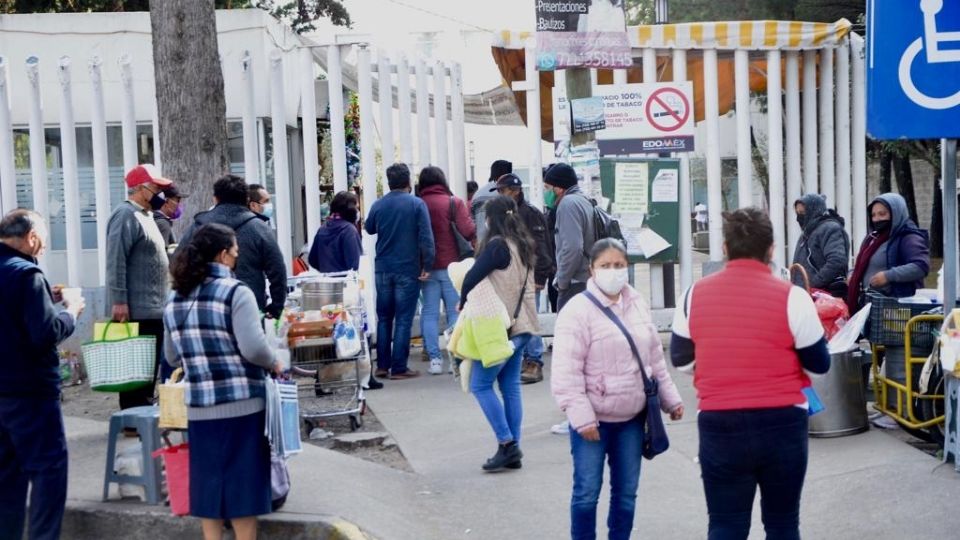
[645,197]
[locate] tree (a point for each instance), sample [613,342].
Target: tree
[190,98]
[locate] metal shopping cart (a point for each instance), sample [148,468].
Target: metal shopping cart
[328,385]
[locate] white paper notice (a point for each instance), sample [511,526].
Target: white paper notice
[652,243]
[665,187]
[632,181]
[631,225]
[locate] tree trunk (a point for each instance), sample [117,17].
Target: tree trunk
[886,169]
[936,219]
[190,99]
[905,184]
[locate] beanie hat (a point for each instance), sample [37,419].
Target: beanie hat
[561,175]
[499,168]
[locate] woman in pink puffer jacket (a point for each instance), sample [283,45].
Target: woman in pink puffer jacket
[596,381]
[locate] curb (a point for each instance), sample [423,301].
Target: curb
[133,521]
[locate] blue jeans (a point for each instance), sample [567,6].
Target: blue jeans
[505,418]
[396,305]
[438,287]
[620,443]
[534,348]
[33,452]
[741,450]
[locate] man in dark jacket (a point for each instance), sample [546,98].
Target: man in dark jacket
[486,192]
[405,253]
[33,448]
[824,247]
[260,257]
[574,234]
[536,222]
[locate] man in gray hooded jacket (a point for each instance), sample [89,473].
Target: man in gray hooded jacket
[574,232]
[824,247]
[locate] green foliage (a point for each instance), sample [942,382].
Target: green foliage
[641,11]
[300,14]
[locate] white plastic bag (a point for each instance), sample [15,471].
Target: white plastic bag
[347,339]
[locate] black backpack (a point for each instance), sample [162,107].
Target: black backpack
[605,225]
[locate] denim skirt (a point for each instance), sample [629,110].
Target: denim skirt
[229,467]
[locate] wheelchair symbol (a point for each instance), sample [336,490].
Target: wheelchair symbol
[935,55]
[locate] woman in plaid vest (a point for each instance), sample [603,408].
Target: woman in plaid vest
[213,330]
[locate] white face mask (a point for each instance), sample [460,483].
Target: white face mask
[611,280]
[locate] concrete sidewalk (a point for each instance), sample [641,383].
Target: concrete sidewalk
[866,486]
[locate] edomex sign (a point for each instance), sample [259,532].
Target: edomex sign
[913,69]
[582,33]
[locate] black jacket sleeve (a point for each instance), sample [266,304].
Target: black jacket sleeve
[834,246]
[46,328]
[495,256]
[537,225]
[275,268]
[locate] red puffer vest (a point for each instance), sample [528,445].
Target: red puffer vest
[744,347]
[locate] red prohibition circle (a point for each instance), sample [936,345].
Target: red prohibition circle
[655,98]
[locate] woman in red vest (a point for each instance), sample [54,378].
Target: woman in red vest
[753,338]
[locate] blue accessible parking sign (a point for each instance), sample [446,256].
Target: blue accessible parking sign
[913,69]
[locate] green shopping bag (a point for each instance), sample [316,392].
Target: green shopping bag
[119,365]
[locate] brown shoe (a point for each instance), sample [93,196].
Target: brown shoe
[382,374]
[408,374]
[532,373]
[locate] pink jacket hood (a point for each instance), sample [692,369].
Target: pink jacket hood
[595,377]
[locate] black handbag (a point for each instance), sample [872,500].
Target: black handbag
[655,440]
[464,247]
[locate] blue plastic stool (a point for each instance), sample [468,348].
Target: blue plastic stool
[144,420]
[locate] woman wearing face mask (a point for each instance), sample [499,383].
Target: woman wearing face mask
[596,381]
[894,258]
[213,330]
[506,257]
[336,246]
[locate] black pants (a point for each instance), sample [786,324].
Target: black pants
[552,294]
[741,450]
[33,453]
[144,395]
[571,291]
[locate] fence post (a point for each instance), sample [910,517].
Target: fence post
[458,172]
[828,184]
[71,180]
[101,171]
[744,158]
[38,141]
[406,119]
[440,115]
[8,173]
[338,136]
[281,167]
[810,175]
[128,119]
[794,175]
[714,187]
[775,153]
[251,146]
[385,95]
[423,114]
[311,159]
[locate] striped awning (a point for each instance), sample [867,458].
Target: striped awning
[750,35]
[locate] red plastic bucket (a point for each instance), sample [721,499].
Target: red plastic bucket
[176,461]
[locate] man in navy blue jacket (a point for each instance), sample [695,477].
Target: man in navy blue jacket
[33,448]
[405,253]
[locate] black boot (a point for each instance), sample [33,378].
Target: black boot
[374,384]
[508,456]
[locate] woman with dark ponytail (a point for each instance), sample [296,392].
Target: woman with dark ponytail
[213,331]
[506,257]
[336,246]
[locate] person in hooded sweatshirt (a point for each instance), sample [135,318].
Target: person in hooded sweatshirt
[260,257]
[336,247]
[824,247]
[894,258]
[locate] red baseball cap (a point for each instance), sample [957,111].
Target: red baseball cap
[145,173]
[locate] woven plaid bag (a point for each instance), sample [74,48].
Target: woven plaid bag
[120,365]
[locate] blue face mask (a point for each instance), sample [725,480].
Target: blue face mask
[267,211]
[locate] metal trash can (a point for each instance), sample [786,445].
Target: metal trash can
[842,393]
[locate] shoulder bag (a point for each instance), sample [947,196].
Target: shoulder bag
[655,440]
[464,247]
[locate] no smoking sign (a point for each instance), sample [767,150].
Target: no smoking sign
[667,109]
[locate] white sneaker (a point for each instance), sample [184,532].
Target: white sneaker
[436,366]
[562,428]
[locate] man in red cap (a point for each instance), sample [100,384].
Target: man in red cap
[137,266]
